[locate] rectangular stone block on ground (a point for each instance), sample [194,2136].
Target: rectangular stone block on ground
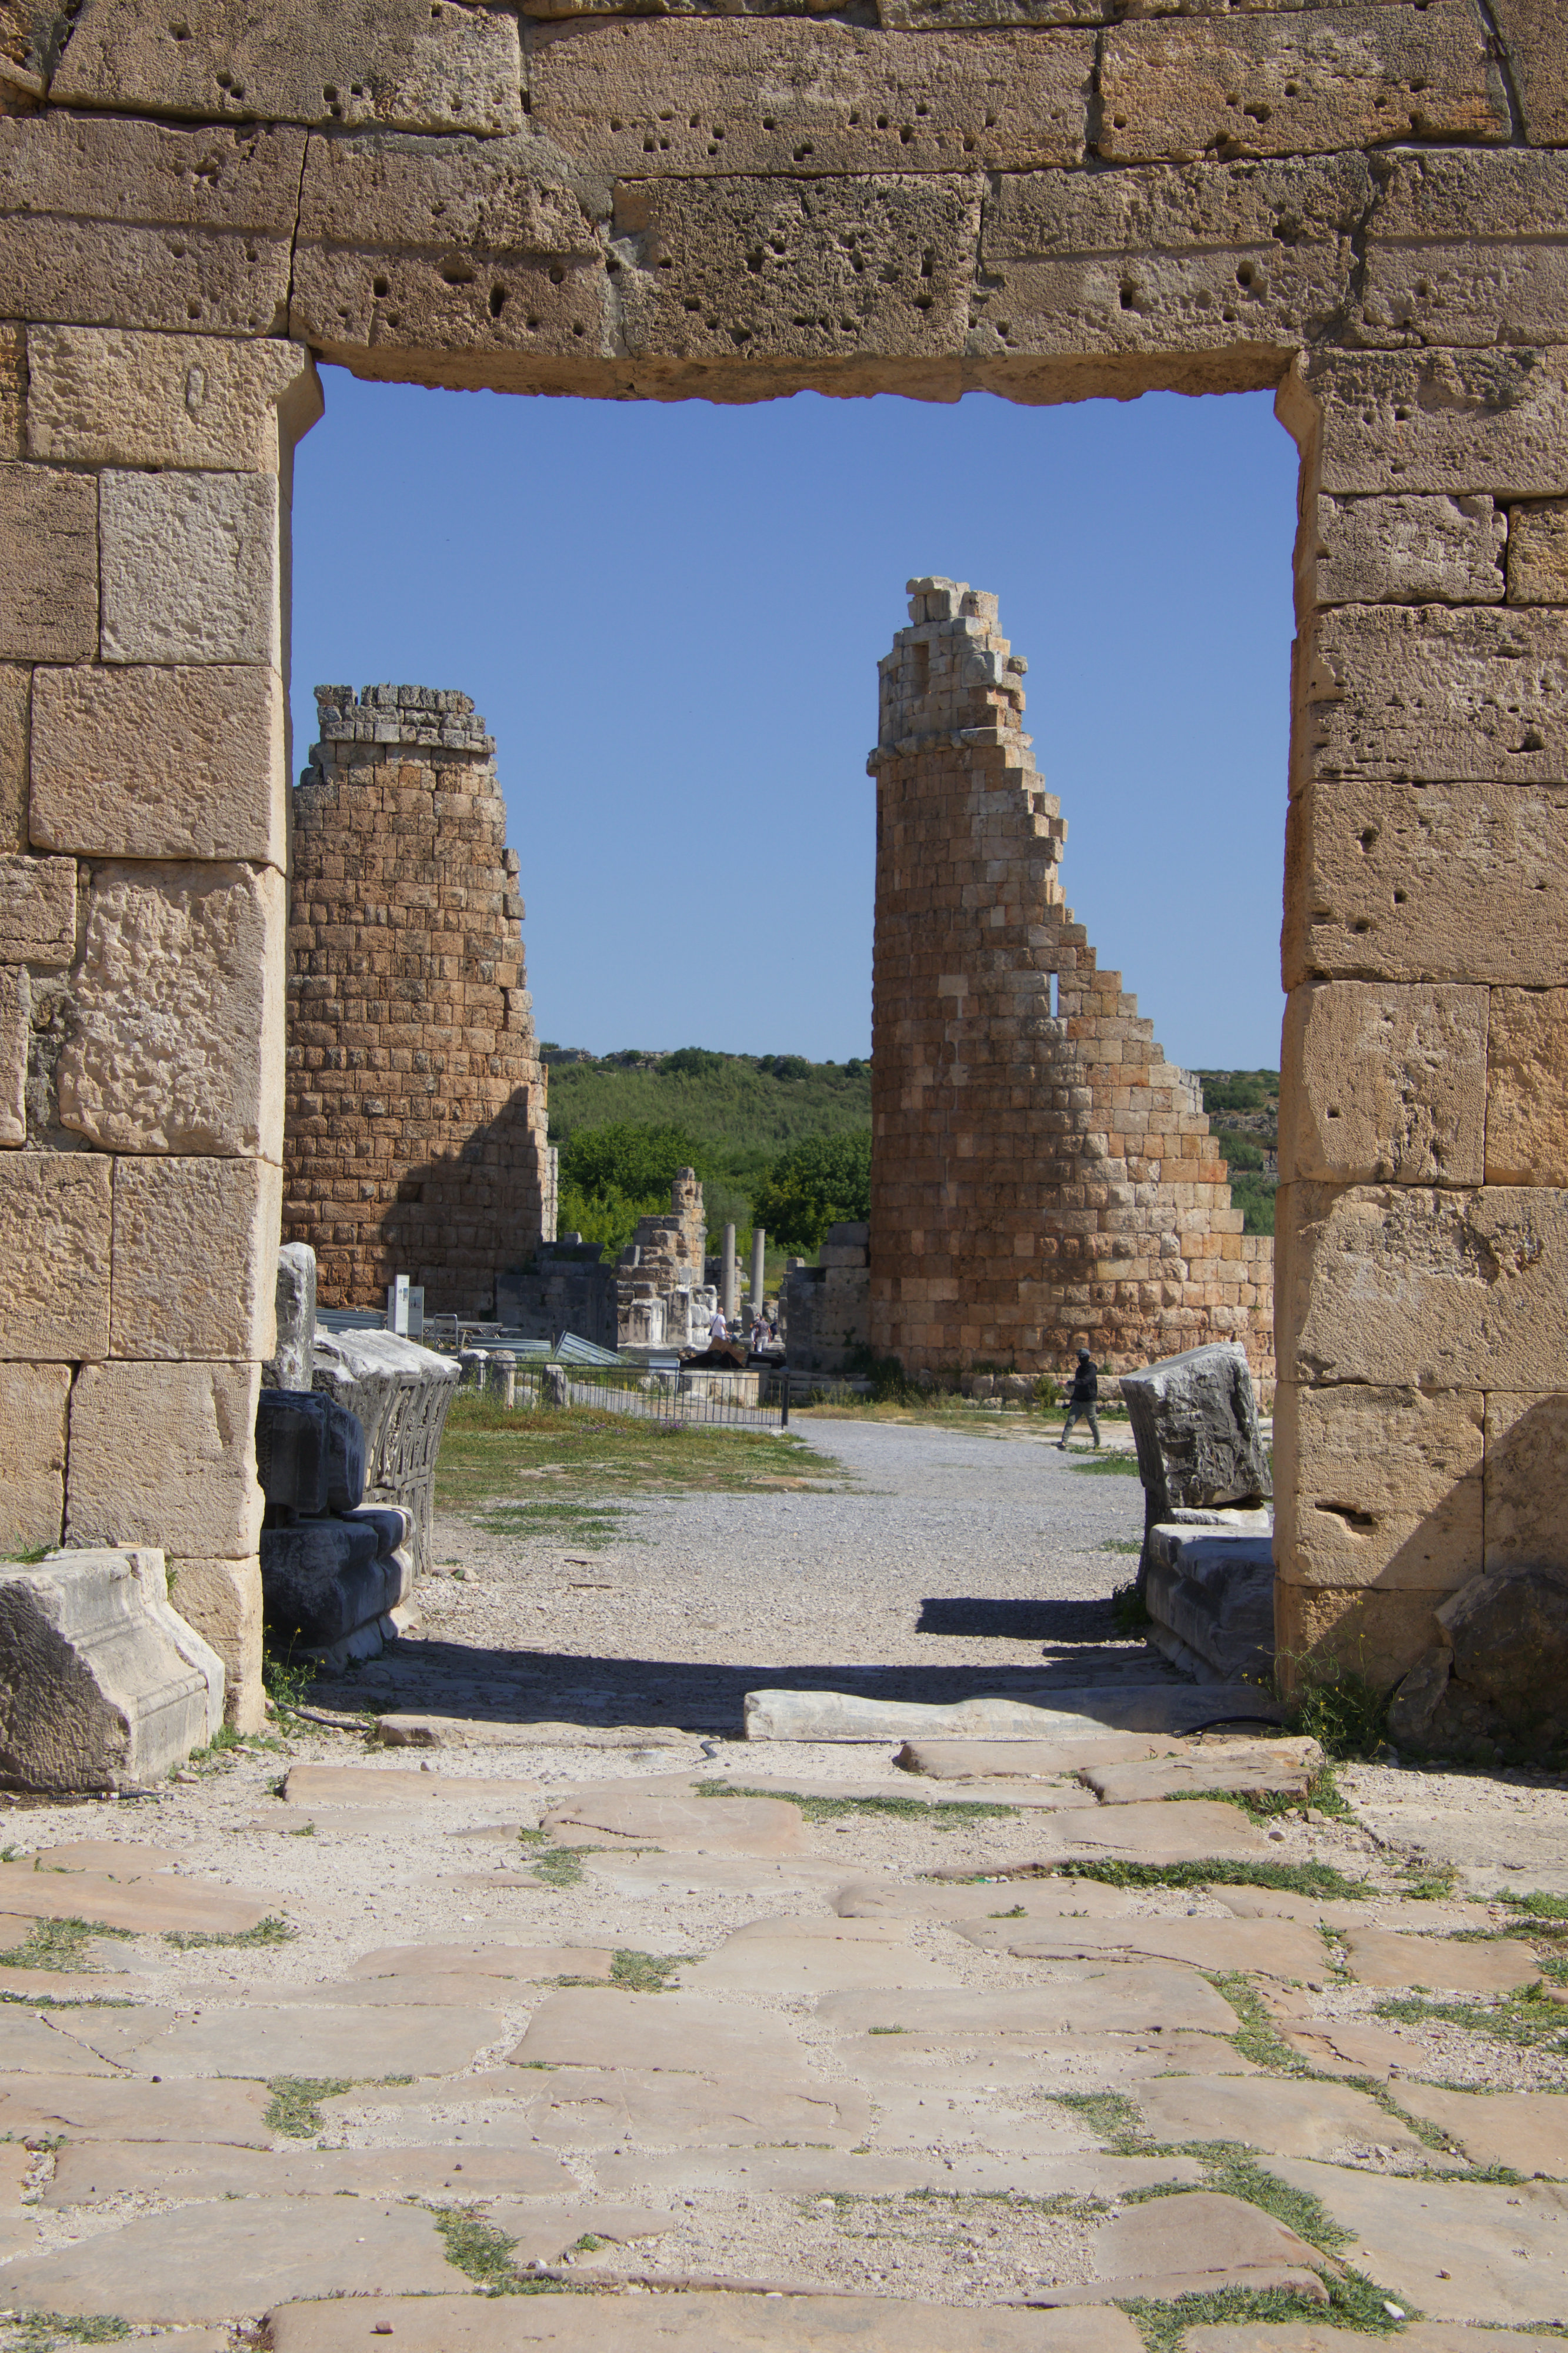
[54,1255]
[177,1044]
[1427,883]
[32,1454]
[191,569]
[399,63]
[104,397]
[1405,551]
[1389,1084]
[1434,692]
[87,203]
[1526,1087]
[195,1247]
[48,563]
[222,1599]
[1460,422]
[770,96]
[700,2322]
[1303,84]
[165,1454]
[1395,1285]
[1379,1485]
[146,761]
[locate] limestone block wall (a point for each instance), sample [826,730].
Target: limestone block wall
[657,1272]
[1042,1180]
[415,1138]
[142,882]
[1363,205]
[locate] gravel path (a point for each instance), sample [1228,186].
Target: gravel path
[941,1565]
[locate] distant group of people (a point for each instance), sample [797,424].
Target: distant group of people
[763,1333]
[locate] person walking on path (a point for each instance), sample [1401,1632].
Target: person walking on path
[1081,1404]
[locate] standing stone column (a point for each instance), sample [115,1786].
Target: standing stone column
[142,745]
[729,1286]
[759,1256]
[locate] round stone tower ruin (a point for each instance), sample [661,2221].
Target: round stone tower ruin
[416,1138]
[1042,1178]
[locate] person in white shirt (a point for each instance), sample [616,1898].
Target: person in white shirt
[717,1327]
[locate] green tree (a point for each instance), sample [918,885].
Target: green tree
[638,1163]
[825,1180]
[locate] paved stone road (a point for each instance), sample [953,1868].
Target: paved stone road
[730,2069]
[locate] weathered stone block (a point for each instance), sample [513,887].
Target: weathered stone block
[177,1044]
[1210,1596]
[467,246]
[101,396]
[191,569]
[1436,691]
[87,203]
[1538,553]
[49,564]
[13,388]
[1403,551]
[168,1448]
[1427,883]
[1468,249]
[401,63]
[222,1600]
[1371,1631]
[1458,422]
[1299,84]
[1195,1424]
[1378,1486]
[1526,1087]
[1389,1084]
[727,97]
[293,1366]
[194,1257]
[102,1685]
[1396,1284]
[55,1256]
[32,1454]
[16,1037]
[309,1454]
[847,267]
[144,762]
[1536,36]
[37,910]
[1526,1480]
[14,697]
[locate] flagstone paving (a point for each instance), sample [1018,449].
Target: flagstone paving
[696,2046]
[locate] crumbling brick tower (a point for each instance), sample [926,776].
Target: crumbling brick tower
[1042,1178]
[415,1140]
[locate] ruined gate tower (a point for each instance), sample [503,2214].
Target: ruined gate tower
[1042,1178]
[414,1140]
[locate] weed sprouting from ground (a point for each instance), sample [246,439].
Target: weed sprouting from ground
[944,1813]
[287,1680]
[1110,2116]
[273,1930]
[561,1866]
[1336,1705]
[1229,2167]
[1529,2018]
[646,1972]
[1114,1466]
[294,2109]
[1128,1614]
[1257,2037]
[1354,2302]
[39,2332]
[595,1526]
[1315,1878]
[58,1944]
[1537,1904]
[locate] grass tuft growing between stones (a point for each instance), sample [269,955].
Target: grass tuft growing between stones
[946,1813]
[40,2332]
[1111,1466]
[1538,1903]
[638,1972]
[1354,2303]
[1112,2116]
[1336,1705]
[1256,2037]
[58,1944]
[561,1866]
[1315,1878]
[1530,2018]
[294,2108]
[273,1930]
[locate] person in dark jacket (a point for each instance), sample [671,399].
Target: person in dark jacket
[1082,1402]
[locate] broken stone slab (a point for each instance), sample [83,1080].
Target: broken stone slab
[331,1586]
[402,1393]
[801,1959]
[761,1826]
[310,1452]
[1277,1948]
[1386,1956]
[1024,1899]
[524,1963]
[1500,1667]
[701,2321]
[687,2032]
[1042,1760]
[232,2259]
[1022,2062]
[1197,1831]
[607,2106]
[1195,1424]
[1064,1713]
[378,1785]
[90,2173]
[1288,2119]
[407,1729]
[1198,2242]
[1456,2250]
[1272,1768]
[1526,2130]
[87,2107]
[1213,1590]
[1101,1996]
[103,1685]
[293,1365]
[276,2039]
[142,1905]
[31,2045]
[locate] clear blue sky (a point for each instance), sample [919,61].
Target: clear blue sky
[671,616]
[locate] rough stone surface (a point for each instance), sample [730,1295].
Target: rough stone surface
[165,1454]
[1285,2118]
[54,1255]
[841,1716]
[1526,2130]
[1393,1085]
[292,1366]
[177,1042]
[222,1599]
[32,1454]
[1381,1956]
[1458,422]
[704,2323]
[1536,46]
[190,568]
[37,910]
[1251,85]
[1195,1424]
[193,1255]
[16,683]
[1457,2252]
[1379,1485]
[159,763]
[1526,1087]
[100,396]
[407,67]
[1408,550]
[101,1684]
[49,582]
[15,1041]
[1538,553]
[1395,692]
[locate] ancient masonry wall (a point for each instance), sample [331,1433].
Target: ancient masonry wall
[1042,1180]
[1363,208]
[415,1140]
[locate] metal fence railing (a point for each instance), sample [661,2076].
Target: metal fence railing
[755,1399]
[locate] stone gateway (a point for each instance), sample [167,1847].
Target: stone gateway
[1365,206]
